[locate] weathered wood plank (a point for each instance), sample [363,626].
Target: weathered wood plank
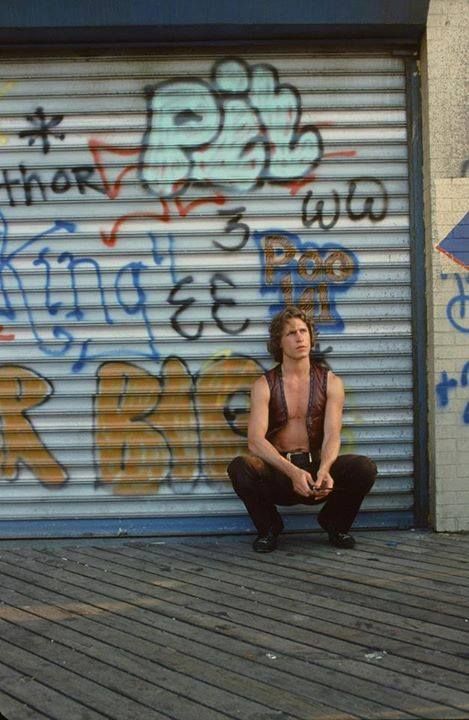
[199,555]
[19,680]
[335,560]
[143,656]
[194,578]
[427,691]
[12,709]
[365,707]
[295,606]
[223,630]
[333,567]
[421,556]
[445,547]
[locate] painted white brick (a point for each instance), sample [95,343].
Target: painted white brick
[446,417]
[444,524]
[447,445]
[445,458]
[447,431]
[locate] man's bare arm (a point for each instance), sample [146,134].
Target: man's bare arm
[332,427]
[260,446]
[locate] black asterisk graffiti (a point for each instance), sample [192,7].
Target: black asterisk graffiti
[42,129]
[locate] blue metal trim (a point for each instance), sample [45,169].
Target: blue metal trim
[418,290]
[138,13]
[32,22]
[183,525]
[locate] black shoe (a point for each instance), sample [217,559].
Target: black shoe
[265,543]
[341,540]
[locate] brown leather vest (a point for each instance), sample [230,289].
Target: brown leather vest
[278,412]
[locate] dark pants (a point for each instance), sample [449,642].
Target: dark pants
[261,487]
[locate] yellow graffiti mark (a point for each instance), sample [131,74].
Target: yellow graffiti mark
[336,267]
[222,430]
[6,87]
[4,90]
[175,415]
[21,390]
[145,428]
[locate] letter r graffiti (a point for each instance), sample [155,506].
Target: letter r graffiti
[20,390]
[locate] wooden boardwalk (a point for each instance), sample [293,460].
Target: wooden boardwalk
[205,629]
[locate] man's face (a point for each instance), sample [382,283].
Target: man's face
[295,341]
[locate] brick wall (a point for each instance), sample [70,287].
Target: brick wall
[444,59]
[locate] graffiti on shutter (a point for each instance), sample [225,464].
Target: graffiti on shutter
[142,256]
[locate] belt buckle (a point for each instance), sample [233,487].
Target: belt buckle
[290,455]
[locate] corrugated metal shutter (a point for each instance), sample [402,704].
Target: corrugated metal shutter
[155,212]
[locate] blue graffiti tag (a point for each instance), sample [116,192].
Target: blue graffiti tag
[120,294]
[8,270]
[305,274]
[457,310]
[446,384]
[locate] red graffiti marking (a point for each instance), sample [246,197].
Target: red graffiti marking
[110,239]
[341,153]
[97,148]
[296,186]
[6,337]
[185,208]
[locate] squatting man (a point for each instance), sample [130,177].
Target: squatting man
[294,441]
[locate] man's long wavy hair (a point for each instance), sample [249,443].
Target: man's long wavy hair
[276,327]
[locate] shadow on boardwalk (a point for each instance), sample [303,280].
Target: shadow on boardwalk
[205,629]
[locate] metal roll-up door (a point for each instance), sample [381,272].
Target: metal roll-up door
[156,211]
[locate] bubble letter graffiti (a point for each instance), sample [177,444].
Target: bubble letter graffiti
[223,397]
[244,125]
[21,390]
[144,427]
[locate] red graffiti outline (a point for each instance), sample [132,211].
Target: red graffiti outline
[296,186]
[96,148]
[451,257]
[185,209]
[110,238]
[6,337]
[341,153]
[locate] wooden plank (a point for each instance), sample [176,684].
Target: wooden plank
[433,710]
[413,581]
[153,695]
[452,578]
[292,575]
[333,567]
[62,671]
[19,681]
[320,712]
[423,553]
[301,601]
[440,564]
[13,709]
[187,597]
[453,547]
[74,635]
[194,578]
[197,554]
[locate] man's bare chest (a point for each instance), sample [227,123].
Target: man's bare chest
[296,397]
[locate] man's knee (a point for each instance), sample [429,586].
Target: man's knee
[243,471]
[365,472]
